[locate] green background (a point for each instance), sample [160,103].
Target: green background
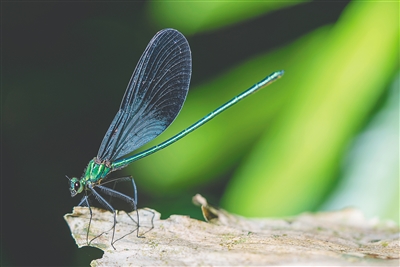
[323,137]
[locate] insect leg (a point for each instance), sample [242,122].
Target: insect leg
[107,206]
[126,198]
[85,203]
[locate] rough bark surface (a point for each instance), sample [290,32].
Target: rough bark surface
[331,238]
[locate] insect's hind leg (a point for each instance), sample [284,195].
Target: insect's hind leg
[130,200]
[135,208]
[142,235]
[137,212]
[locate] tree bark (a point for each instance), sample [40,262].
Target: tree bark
[328,238]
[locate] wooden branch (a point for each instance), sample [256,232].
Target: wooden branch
[329,238]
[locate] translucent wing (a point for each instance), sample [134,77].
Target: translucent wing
[154,97]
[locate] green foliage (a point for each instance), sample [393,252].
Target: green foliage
[289,140]
[295,162]
[196,16]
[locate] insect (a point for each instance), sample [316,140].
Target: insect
[154,97]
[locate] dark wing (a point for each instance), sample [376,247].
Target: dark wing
[154,97]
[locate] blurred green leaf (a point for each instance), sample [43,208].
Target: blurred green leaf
[293,166]
[371,167]
[194,16]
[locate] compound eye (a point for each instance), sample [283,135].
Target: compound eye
[77,185]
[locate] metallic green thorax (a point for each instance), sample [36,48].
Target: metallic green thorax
[94,173]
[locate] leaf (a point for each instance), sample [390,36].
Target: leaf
[296,162]
[194,16]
